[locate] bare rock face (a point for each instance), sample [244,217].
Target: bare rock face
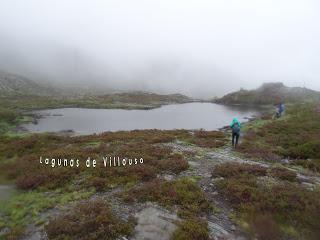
[154,223]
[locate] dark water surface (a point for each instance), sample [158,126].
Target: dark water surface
[207,116]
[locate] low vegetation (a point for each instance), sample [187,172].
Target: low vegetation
[191,229]
[311,164]
[20,156]
[235,169]
[270,93]
[135,100]
[8,119]
[183,194]
[266,208]
[294,136]
[91,220]
[26,207]
[269,202]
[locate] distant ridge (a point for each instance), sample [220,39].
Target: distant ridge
[141,97]
[15,85]
[270,93]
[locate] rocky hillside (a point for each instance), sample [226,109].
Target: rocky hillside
[270,93]
[15,85]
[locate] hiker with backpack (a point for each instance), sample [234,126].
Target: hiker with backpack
[279,110]
[235,126]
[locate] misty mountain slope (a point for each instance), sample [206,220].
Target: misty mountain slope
[18,92]
[270,93]
[15,85]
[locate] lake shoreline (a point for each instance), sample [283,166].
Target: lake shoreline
[87,121]
[191,161]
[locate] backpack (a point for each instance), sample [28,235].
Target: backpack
[236,128]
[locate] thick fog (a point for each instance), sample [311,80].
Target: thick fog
[199,48]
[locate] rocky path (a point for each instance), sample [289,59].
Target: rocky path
[201,165]
[157,223]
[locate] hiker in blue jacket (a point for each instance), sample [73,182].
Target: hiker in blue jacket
[235,126]
[279,110]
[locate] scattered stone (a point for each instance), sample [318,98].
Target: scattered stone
[285,161]
[217,230]
[193,164]
[308,185]
[168,177]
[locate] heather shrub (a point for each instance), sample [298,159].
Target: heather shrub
[88,221]
[279,205]
[8,115]
[294,136]
[265,227]
[184,193]
[191,229]
[283,174]
[235,169]
[312,164]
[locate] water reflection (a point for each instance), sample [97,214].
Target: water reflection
[207,116]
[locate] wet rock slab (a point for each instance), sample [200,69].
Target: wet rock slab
[154,223]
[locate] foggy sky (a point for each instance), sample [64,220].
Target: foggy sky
[199,48]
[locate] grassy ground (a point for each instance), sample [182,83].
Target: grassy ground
[183,194]
[120,100]
[9,119]
[90,220]
[25,207]
[20,156]
[294,136]
[270,202]
[41,187]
